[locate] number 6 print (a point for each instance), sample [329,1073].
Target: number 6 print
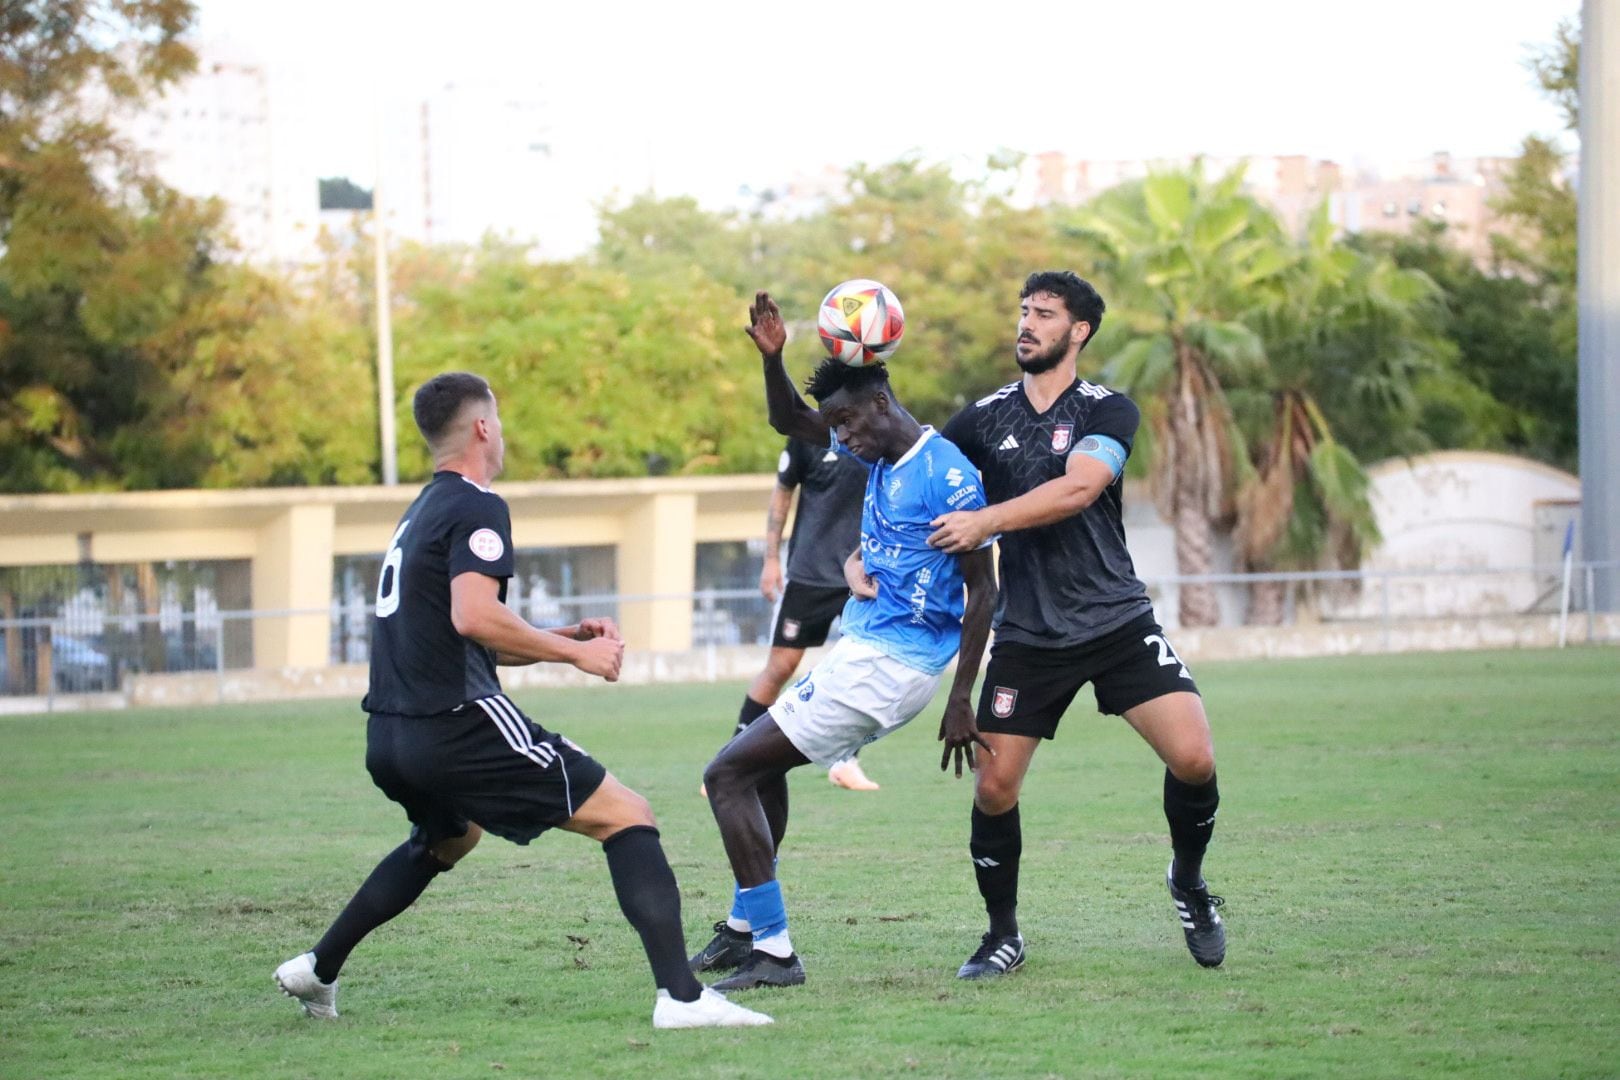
[388,579]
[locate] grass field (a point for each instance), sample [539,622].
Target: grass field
[1421,856]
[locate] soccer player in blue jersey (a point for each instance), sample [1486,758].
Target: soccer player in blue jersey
[904,623]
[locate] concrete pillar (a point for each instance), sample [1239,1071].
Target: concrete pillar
[1598,293]
[292,571]
[659,555]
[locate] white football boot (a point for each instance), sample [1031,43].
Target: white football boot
[711,1009]
[297,980]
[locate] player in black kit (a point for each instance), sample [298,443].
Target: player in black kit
[826,528]
[457,754]
[1051,448]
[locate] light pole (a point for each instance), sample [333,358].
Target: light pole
[385,323]
[1598,293]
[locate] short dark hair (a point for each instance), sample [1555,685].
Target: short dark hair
[1085,304]
[834,375]
[440,400]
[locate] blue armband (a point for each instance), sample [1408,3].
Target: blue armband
[1106,449]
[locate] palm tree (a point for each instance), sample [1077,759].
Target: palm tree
[1346,340]
[1187,259]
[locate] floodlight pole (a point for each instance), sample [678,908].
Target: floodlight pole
[1598,292]
[385,326]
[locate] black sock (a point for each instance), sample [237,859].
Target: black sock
[995,845]
[392,887]
[1190,810]
[751,710]
[651,901]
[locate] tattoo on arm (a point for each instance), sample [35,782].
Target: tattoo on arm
[776,519]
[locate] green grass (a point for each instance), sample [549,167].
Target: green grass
[1421,856]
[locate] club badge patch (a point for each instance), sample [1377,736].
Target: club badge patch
[486,544]
[1002,702]
[1062,436]
[790,629]
[807,691]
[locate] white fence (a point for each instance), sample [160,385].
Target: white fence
[82,655]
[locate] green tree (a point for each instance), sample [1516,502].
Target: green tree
[1347,337]
[131,353]
[1186,259]
[1511,384]
[944,245]
[598,373]
[95,253]
[1538,205]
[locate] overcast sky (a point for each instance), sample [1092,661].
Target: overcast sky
[704,97]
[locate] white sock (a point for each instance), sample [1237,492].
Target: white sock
[742,926]
[777,945]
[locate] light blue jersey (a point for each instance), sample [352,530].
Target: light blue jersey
[916,617]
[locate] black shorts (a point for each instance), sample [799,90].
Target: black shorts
[485,762]
[1028,689]
[805,614]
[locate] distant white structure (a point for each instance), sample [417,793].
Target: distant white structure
[210,135]
[469,160]
[1468,509]
[478,159]
[1452,510]
[1386,196]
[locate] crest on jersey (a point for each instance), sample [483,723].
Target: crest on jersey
[1001,704]
[807,690]
[790,629]
[486,544]
[1062,436]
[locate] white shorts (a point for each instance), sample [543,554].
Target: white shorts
[852,697]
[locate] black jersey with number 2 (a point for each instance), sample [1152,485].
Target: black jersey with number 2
[1072,581]
[420,666]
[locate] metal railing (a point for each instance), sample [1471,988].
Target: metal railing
[49,655]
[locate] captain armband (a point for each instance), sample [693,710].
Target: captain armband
[1106,449]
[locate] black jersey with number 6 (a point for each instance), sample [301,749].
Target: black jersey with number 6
[420,666]
[1072,581]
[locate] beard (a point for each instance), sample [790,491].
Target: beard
[1039,363]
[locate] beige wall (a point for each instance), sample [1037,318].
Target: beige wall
[291,535]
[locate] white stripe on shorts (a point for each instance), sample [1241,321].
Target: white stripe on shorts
[516,732]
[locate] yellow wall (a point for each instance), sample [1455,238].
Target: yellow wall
[291,535]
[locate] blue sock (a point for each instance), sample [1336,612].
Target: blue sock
[739,913]
[766,912]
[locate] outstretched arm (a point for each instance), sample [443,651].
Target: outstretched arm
[1084,478]
[957,728]
[789,413]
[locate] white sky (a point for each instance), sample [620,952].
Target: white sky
[705,96]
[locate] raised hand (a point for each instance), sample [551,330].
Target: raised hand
[765,325]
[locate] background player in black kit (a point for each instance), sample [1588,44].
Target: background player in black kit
[812,593]
[456,753]
[1051,448]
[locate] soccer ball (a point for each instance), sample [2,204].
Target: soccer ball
[861,322]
